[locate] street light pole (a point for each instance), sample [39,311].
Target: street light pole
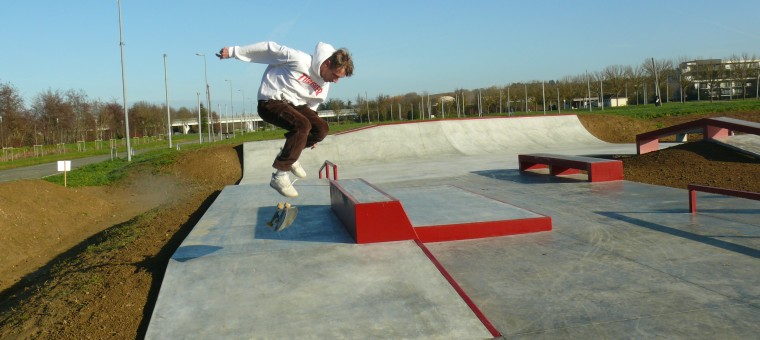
[124,86]
[243,92]
[208,95]
[232,108]
[200,126]
[168,113]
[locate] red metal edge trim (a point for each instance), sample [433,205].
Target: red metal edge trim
[494,332]
[448,119]
[343,191]
[693,188]
[484,229]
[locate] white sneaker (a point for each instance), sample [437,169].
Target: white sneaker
[298,170]
[281,183]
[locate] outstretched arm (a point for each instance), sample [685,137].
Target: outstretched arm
[263,53]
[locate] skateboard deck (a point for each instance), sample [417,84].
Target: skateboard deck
[283,217]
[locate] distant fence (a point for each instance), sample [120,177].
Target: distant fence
[9,154]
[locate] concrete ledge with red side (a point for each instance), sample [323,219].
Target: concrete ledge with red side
[449,213]
[711,128]
[693,188]
[428,214]
[598,169]
[369,214]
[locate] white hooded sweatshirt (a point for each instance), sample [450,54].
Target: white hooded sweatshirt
[292,75]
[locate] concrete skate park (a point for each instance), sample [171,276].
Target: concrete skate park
[433,231]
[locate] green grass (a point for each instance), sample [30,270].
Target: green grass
[119,236]
[671,109]
[111,171]
[28,156]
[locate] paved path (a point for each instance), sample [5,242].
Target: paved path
[47,169]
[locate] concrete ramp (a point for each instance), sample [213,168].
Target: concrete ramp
[749,144]
[415,141]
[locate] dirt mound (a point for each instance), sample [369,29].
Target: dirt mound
[698,162]
[92,270]
[38,218]
[70,269]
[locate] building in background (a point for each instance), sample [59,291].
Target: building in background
[720,79]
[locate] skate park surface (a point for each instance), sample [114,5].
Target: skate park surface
[622,260]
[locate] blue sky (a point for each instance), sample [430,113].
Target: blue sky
[398,46]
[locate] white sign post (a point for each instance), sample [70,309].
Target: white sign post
[64,166]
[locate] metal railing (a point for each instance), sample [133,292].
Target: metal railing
[326,167]
[693,188]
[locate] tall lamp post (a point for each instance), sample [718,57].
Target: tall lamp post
[200,126]
[232,108]
[124,86]
[168,113]
[208,95]
[243,93]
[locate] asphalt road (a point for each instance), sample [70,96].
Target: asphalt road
[47,169]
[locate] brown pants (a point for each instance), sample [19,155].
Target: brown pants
[304,127]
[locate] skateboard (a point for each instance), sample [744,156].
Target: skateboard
[283,217]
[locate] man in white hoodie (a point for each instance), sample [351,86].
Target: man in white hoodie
[293,86]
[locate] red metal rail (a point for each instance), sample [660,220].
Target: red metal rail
[693,188]
[710,128]
[326,167]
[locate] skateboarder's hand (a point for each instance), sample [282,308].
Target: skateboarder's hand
[224,53]
[314,146]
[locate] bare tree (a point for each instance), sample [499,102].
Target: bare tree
[409,105]
[54,114]
[146,118]
[709,72]
[637,77]
[336,105]
[614,79]
[110,120]
[684,80]
[490,99]
[742,67]
[14,119]
[81,115]
[656,70]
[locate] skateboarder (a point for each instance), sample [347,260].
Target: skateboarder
[293,86]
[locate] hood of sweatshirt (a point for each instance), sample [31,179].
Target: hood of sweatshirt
[321,53]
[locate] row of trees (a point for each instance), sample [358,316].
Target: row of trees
[65,117]
[641,84]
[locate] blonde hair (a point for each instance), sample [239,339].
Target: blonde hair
[342,58]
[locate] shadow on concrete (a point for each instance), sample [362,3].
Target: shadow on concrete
[684,234]
[314,223]
[239,151]
[529,177]
[187,253]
